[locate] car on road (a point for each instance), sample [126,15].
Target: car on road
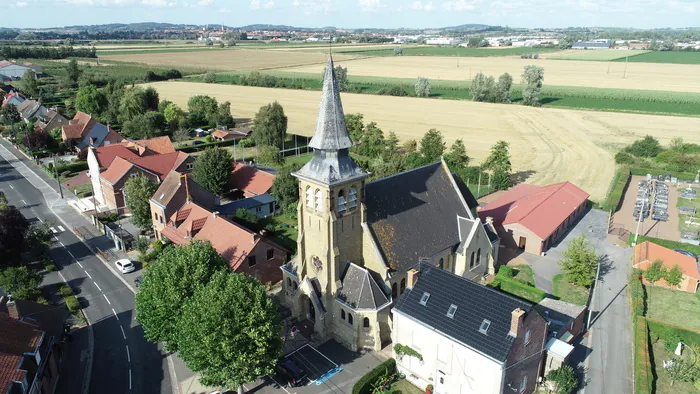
[687,253]
[125,266]
[294,375]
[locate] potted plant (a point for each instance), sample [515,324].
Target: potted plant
[429,389]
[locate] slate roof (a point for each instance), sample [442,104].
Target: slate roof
[246,203]
[466,193]
[559,313]
[360,290]
[413,214]
[466,226]
[474,302]
[331,132]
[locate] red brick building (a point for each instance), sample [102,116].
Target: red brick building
[646,253]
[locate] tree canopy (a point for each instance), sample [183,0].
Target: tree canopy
[655,272]
[646,147]
[13,227]
[212,169]
[564,379]
[499,158]
[285,187]
[422,87]
[138,191]
[200,108]
[457,157]
[533,76]
[580,261]
[90,100]
[432,146]
[270,125]
[22,282]
[133,103]
[146,125]
[28,84]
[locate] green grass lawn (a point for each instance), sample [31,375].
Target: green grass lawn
[673,307]
[82,191]
[286,234]
[668,244]
[676,57]
[568,292]
[403,386]
[523,273]
[662,382]
[682,225]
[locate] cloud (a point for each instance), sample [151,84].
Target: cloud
[269,5]
[314,6]
[461,5]
[370,5]
[419,6]
[126,3]
[19,4]
[204,3]
[254,4]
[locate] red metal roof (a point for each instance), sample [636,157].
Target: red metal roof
[647,252]
[541,209]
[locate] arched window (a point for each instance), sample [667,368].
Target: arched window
[471,262]
[342,314]
[403,285]
[319,200]
[289,283]
[393,291]
[478,256]
[442,263]
[365,322]
[296,285]
[352,198]
[350,318]
[309,197]
[342,204]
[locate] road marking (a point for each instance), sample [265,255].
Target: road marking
[98,287]
[24,202]
[123,333]
[81,266]
[130,379]
[60,241]
[115,313]
[53,230]
[40,219]
[88,274]
[61,228]
[71,254]
[128,356]
[12,187]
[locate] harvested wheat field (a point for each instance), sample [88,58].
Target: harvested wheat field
[234,59]
[556,145]
[647,76]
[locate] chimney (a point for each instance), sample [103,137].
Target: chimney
[215,214]
[489,221]
[516,319]
[12,308]
[412,277]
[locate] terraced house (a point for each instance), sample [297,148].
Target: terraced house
[357,239]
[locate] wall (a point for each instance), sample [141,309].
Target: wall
[510,236]
[479,242]
[267,271]
[94,172]
[525,359]
[158,217]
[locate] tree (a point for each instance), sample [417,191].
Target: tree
[410,146]
[181,134]
[680,370]
[209,77]
[222,117]
[246,218]
[422,87]
[457,157]
[200,108]
[646,147]
[564,379]
[270,125]
[212,169]
[580,261]
[476,42]
[163,105]
[499,158]
[285,187]
[269,156]
[73,71]
[146,125]
[482,88]
[21,282]
[38,237]
[133,103]
[174,117]
[371,143]
[229,331]
[501,180]
[11,114]
[90,100]
[341,76]
[533,76]
[398,51]
[13,227]
[502,89]
[35,139]
[391,146]
[138,191]
[655,272]
[28,83]
[168,283]
[355,126]
[152,99]
[432,146]
[674,276]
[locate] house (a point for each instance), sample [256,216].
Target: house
[84,131]
[247,251]
[602,44]
[172,193]
[31,109]
[263,206]
[236,134]
[30,353]
[49,121]
[646,253]
[221,135]
[639,45]
[533,218]
[472,338]
[15,71]
[248,181]
[566,322]
[374,230]
[13,97]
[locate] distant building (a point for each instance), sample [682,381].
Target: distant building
[31,109]
[262,206]
[442,41]
[247,181]
[639,45]
[15,71]
[605,44]
[50,120]
[85,131]
[13,97]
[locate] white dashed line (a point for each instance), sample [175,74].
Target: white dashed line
[40,219]
[81,266]
[64,246]
[129,378]
[128,356]
[115,313]
[123,333]
[71,254]
[24,202]
[12,187]
[88,274]
[61,228]
[98,287]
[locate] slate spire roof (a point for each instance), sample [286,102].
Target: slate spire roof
[331,132]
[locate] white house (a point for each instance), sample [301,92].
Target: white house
[471,338]
[16,70]
[442,41]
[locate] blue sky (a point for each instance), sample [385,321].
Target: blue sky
[357,13]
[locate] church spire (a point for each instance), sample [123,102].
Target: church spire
[331,132]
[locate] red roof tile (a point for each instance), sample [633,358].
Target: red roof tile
[132,149]
[647,252]
[16,338]
[79,126]
[8,370]
[541,209]
[159,165]
[251,181]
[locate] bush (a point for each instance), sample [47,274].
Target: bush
[50,267]
[73,304]
[393,91]
[637,294]
[646,147]
[505,272]
[624,158]
[364,385]
[209,78]
[246,143]
[65,291]
[518,289]
[618,186]
[72,167]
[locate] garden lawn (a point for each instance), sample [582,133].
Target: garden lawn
[568,292]
[82,191]
[673,307]
[286,233]
[682,225]
[523,273]
[403,386]
[662,382]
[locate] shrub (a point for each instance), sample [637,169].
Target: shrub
[505,272]
[624,158]
[518,289]
[73,304]
[65,291]
[50,267]
[364,385]
[393,91]
[246,143]
[646,147]
[209,77]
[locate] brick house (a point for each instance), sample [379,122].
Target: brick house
[647,252]
[50,121]
[84,131]
[533,218]
[566,322]
[247,251]
[472,338]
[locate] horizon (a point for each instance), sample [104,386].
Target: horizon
[361,14]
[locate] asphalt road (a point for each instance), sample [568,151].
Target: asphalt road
[123,362]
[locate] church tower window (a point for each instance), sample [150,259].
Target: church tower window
[319,200]
[352,198]
[342,204]
[309,197]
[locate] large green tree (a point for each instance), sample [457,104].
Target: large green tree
[457,157]
[73,71]
[212,169]
[200,108]
[655,272]
[482,88]
[341,76]
[28,84]
[499,158]
[168,283]
[138,191]
[502,88]
[229,331]
[355,126]
[371,142]
[674,276]
[222,116]
[22,282]
[432,146]
[152,99]
[133,103]
[270,125]
[533,77]
[146,125]
[564,379]
[580,261]
[90,100]
[422,87]
[13,227]
[285,188]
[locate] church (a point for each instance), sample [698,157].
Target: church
[358,240]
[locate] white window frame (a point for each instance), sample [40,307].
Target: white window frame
[309,197]
[424,298]
[487,324]
[451,311]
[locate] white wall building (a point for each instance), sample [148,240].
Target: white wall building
[442,41]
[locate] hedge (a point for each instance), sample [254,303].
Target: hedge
[72,303]
[637,295]
[66,291]
[665,330]
[364,385]
[521,290]
[618,186]
[680,175]
[643,377]
[195,148]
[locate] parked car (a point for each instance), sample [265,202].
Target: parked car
[687,253]
[294,375]
[197,142]
[125,266]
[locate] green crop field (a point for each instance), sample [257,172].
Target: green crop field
[666,57]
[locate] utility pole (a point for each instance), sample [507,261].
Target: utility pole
[624,74]
[58,179]
[641,216]
[478,186]
[595,286]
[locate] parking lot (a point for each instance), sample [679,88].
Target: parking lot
[649,227]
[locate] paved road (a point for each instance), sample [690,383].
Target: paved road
[124,362]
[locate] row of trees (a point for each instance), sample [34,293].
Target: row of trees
[487,89]
[36,52]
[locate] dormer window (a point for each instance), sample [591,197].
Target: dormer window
[484,326]
[342,204]
[424,299]
[451,312]
[352,198]
[319,200]
[309,197]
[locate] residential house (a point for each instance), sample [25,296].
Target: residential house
[225,134]
[30,353]
[566,322]
[247,251]
[262,206]
[31,109]
[49,121]
[248,181]
[221,135]
[381,228]
[533,218]
[472,338]
[85,131]
[646,253]
[15,71]
[13,97]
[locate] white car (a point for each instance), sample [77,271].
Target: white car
[125,266]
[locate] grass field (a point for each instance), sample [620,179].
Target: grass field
[432,50]
[662,382]
[666,57]
[593,55]
[668,77]
[567,292]
[673,307]
[555,144]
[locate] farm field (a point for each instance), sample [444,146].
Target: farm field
[557,145]
[592,55]
[666,57]
[669,77]
[225,59]
[432,50]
